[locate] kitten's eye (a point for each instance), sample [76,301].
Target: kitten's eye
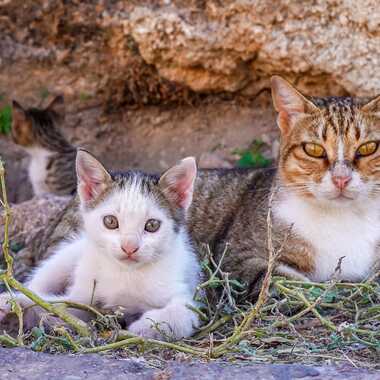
[367,149]
[111,222]
[152,225]
[314,150]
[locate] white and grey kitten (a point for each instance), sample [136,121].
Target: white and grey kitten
[134,250]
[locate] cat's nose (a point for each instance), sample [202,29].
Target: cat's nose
[341,174]
[341,182]
[130,248]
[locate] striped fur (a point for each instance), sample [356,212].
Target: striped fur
[319,224]
[52,164]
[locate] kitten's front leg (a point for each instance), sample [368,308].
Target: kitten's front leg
[51,277]
[80,292]
[172,322]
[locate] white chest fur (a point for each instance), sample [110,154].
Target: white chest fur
[139,289]
[352,232]
[37,169]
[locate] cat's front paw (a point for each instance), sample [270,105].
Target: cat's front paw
[171,323]
[146,328]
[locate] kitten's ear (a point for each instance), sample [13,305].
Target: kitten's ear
[289,103]
[57,105]
[373,106]
[93,178]
[177,183]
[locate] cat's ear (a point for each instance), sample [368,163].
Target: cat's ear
[57,105]
[93,178]
[289,103]
[18,113]
[22,129]
[373,106]
[177,183]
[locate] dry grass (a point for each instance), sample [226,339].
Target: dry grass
[292,321]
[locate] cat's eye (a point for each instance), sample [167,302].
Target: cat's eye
[367,149]
[111,222]
[152,225]
[314,150]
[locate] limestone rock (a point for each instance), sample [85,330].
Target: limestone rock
[152,53]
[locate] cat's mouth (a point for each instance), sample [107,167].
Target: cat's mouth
[127,259]
[342,197]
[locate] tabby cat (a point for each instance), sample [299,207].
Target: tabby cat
[326,194]
[52,157]
[325,202]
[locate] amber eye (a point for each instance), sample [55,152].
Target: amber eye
[111,222]
[314,150]
[367,149]
[152,225]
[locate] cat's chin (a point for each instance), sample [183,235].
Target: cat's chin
[335,200]
[132,262]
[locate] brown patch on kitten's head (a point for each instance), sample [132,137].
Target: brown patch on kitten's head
[329,146]
[39,127]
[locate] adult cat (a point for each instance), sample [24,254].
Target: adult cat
[326,188]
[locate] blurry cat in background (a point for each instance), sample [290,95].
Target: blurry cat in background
[134,250]
[52,157]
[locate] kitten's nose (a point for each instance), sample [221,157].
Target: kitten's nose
[130,248]
[341,181]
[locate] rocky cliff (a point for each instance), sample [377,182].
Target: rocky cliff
[148,52]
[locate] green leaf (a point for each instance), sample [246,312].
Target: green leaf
[253,157]
[5,119]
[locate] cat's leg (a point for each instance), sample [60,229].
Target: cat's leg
[174,321]
[52,276]
[55,273]
[60,272]
[79,292]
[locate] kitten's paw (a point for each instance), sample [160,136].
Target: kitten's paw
[146,328]
[170,323]
[36,316]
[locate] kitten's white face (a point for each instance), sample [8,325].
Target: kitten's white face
[131,226]
[133,218]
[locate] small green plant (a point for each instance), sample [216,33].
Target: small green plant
[5,120]
[253,156]
[84,96]
[44,93]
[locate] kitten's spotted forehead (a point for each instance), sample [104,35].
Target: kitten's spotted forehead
[137,192]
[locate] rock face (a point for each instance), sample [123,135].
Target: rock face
[31,230]
[155,52]
[226,46]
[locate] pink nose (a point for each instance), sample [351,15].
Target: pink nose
[341,181]
[130,248]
